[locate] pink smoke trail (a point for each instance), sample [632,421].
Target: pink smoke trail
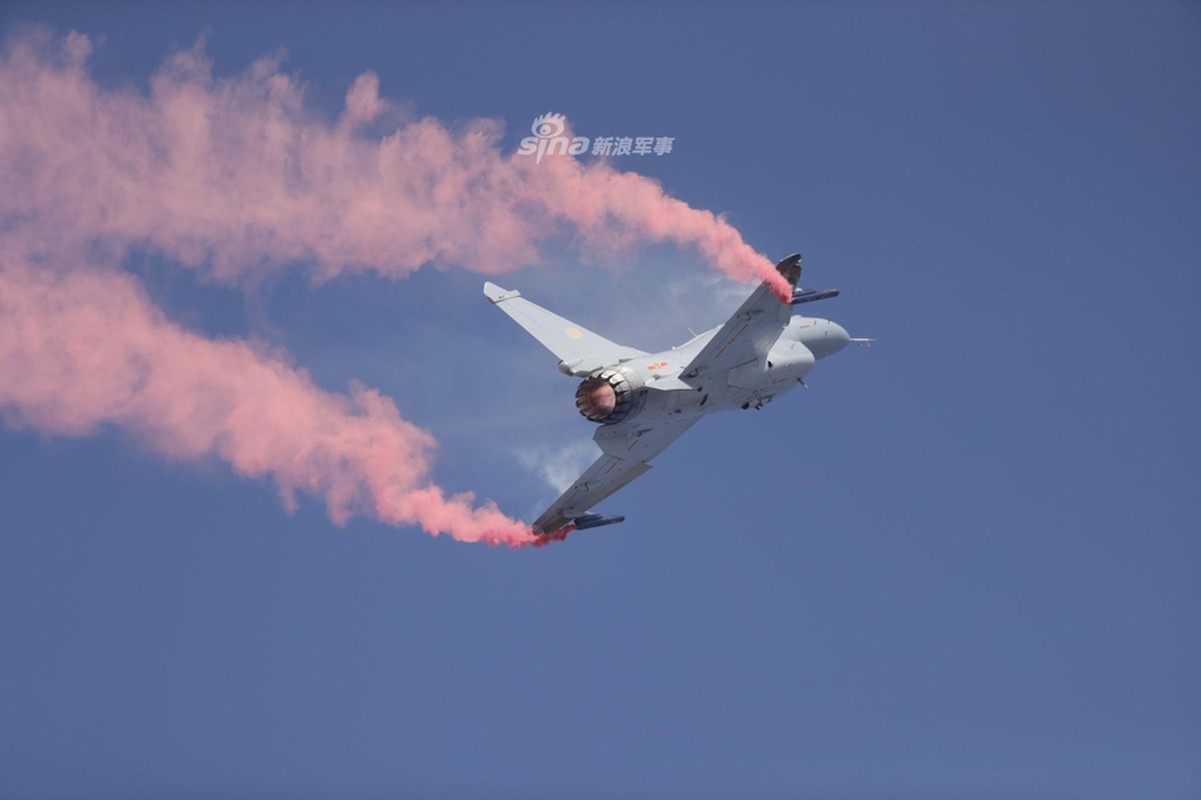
[236,176]
[84,349]
[236,173]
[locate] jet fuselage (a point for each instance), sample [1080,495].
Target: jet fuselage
[660,388]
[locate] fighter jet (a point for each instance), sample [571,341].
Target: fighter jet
[645,401]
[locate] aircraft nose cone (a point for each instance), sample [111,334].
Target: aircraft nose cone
[837,337]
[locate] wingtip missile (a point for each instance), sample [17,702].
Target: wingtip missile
[581,523]
[595,521]
[810,295]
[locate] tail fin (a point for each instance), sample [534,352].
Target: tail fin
[580,351]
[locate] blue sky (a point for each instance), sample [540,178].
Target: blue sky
[964,563]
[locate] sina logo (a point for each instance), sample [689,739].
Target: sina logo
[549,139]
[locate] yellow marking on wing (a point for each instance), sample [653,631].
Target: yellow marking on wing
[573,333]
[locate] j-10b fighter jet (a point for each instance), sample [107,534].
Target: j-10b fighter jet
[645,401]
